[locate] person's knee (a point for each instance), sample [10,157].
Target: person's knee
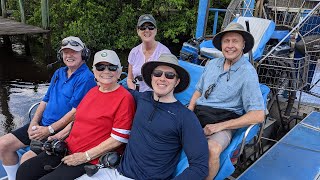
[27,155]
[215,149]
[6,144]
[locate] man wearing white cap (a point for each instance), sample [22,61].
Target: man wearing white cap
[67,87]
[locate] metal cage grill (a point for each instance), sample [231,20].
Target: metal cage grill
[284,73]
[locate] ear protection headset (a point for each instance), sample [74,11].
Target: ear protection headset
[85,54]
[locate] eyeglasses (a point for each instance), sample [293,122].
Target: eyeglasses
[71,42]
[102,67]
[150,27]
[209,90]
[168,75]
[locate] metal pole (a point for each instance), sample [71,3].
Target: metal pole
[3,8]
[202,18]
[250,52]
[23,17]
[45,14]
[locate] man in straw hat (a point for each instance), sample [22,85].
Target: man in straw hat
[227,96]
[162,126]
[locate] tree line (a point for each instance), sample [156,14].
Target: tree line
[112,23]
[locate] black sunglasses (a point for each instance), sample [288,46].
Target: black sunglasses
[71,42]
[150,27]
[102,67]
[168,75]
[209,90]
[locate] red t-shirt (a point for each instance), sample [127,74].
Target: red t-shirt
[99,116]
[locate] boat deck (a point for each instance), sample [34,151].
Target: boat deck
[295,157]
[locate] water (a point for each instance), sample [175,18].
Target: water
[23,82]
[16,99]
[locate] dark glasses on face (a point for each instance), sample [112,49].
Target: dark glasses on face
[168,75]
[150,27]
[102,67]
[209,90]
[71,42]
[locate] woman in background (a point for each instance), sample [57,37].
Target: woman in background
[148,50]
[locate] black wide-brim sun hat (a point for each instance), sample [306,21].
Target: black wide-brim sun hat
[237,28]
[166,60]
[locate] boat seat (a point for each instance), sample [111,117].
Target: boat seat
[242,136]
[261,30]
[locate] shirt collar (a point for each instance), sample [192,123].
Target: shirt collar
[82,68]
[235,66]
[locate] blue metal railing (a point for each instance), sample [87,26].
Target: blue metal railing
[216,16]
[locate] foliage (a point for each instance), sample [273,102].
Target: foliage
[111,24]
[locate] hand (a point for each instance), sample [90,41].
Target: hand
[56,136]
[131,85]
[39,133]
[209,129]
[31,128]
[75,159]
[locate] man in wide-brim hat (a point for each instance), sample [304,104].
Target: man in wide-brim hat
[229,90]
[162,127]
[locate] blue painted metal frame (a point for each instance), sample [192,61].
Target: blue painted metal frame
[216,16]
[296,156]
[203,13]
[202,18]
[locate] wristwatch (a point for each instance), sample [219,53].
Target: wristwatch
[87,155]
[51,130]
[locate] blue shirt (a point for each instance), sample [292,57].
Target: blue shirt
[158,134]
[66,93]
[236,90]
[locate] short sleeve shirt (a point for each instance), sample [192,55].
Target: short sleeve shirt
[66,93]
[236,90]
[136,59]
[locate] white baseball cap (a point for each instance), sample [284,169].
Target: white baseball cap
[107,56]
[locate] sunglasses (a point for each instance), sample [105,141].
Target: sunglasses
[150,27]
[102,67]
[209,90]
[71,42]
[168,75]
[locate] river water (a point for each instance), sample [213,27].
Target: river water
[23,82]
